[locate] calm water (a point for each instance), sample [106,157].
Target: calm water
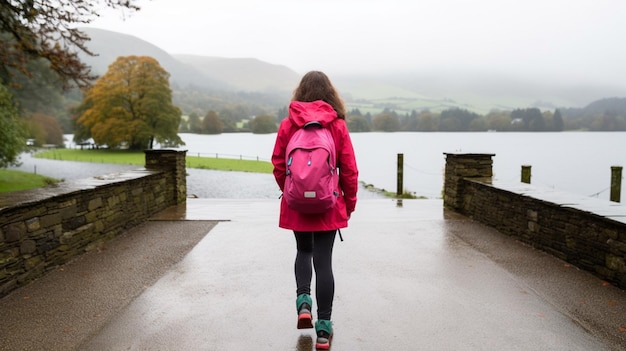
[577,162]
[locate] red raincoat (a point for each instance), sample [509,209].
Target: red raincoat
[301,113]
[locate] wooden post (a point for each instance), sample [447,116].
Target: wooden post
[616,183]
[400,183]
[526,174]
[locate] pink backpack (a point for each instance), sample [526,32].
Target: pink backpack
[312,179]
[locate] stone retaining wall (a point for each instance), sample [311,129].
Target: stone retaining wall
[588,233]
[42,229]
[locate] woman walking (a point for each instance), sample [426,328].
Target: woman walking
[316,100]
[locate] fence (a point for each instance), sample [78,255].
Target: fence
[229,156]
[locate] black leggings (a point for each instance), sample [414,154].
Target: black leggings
[316,248]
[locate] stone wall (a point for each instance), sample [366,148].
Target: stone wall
[44,228]
[586,232]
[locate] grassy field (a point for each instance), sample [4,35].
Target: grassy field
[11,180]
[138,158]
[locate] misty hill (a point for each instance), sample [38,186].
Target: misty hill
[245,74]
[249,78]
[108,46]
[213,73]
[609,106]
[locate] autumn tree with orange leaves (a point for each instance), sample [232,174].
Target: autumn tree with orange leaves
[130,106]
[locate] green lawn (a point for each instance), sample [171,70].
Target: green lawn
[138,158]
[94,156]
[11,180]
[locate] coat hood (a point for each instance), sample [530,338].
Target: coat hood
[302,113]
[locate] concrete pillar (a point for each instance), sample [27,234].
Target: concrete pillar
[460,167]
[172,162]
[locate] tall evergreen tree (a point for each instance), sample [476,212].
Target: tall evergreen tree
[557,121]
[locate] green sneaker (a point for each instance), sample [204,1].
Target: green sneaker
[324,331]
[303,305]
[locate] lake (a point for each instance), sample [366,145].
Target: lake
[576,162]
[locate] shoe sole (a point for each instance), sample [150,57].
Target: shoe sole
[305,321]
[324,346]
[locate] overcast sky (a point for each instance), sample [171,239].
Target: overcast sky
[579,39]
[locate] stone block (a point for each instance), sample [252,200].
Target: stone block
[50,220]
[66,238]
[68,212]
[616,263]
[113,201]
[9,256]
[32,224]
[14,232]
[94,204]
[67,203]
[28,247]
[47,246]
[33,263]
[91,216]
[74,222]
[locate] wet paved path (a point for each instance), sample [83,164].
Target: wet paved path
[414,277]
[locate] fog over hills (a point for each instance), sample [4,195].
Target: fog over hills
[247,74]
[209,73]
[435,90]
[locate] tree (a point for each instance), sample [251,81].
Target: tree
[211,123]
[557,121]
[12,133]
[131,104]
[427,122]
[409,122]
[228,118]
[479,124]
[609,121]
[499,120]
[456,120]
[356,112]
[47,29]
[263,124]
[538,123]
[195,125]
[282,113]
[386,122]
[45,129]
[39,92]
[532,119]
[358,123]
[368,117]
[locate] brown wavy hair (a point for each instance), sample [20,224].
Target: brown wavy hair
[315,85]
